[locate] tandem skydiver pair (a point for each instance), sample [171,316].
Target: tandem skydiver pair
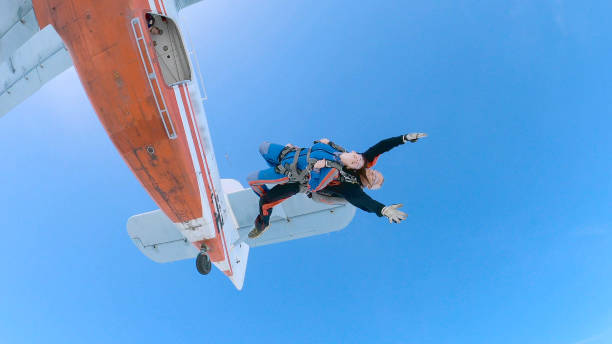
[327,173]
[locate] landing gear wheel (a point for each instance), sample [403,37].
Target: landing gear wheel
[203,264]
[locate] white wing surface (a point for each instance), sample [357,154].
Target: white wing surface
[158,238]
[29,58]
[295,218]
[298,217]
[17,24]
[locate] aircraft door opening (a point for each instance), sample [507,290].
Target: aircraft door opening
[169,48]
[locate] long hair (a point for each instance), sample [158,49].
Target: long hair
[361,173]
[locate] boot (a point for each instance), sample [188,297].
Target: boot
[261,224]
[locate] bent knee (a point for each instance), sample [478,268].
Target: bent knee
[264,147]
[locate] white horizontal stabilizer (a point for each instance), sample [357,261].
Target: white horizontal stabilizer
[298,217]
[158,238]
[161,241]
[295,218]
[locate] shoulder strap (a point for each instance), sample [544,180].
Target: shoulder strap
[302,176]
[337,147]
[292,171]
[296,157]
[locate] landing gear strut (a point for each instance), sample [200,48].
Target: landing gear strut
[203,263]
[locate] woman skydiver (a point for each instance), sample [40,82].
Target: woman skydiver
[336,173]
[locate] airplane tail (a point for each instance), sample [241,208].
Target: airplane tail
[160,239]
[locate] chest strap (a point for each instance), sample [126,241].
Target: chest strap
[292,171]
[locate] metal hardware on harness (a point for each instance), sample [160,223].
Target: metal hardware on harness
[348,178]
[301,176]
[333,164]
[292,172]
[343,175]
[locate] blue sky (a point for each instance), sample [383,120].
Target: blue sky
[509,234]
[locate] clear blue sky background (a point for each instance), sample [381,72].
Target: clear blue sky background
[510,230]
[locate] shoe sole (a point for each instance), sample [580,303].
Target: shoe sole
[252,235]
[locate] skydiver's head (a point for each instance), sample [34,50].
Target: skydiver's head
[352,160]
[372,179]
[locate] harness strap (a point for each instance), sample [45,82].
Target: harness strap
[302,176]
[293,170]
[332,145]
[284,152]
[286,168]
[337,147]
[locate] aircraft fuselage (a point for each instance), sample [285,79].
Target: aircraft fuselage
[151,120]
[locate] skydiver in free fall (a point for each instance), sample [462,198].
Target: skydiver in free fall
[326,172]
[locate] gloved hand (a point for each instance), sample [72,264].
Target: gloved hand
[413,137]
[393,214]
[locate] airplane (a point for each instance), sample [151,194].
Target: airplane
[143,80]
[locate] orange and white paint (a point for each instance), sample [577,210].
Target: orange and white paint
[179,172]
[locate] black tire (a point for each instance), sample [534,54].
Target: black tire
[203,264]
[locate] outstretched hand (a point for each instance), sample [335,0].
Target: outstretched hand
[393,214]
[413,137]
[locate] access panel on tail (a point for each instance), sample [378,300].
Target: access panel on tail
[298,217]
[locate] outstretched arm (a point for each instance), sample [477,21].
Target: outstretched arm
[355,195]
[382,147]
[372,154]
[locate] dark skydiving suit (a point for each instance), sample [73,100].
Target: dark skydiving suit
[351,191]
